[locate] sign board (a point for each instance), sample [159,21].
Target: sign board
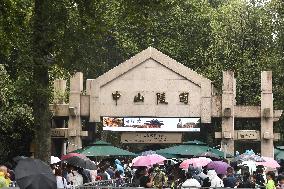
[168,124]
[59,133]
[153,138]
[247,135]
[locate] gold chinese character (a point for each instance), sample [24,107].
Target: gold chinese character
[161,98]
[183,97]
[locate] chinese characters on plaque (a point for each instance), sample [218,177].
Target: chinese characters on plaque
[160,97]
[183,97]
[116,96]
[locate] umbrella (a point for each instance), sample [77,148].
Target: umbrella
[248,157]
[54,160]
[219,166]
[279,152]
[150,152]
[250,164]
[102,148]
[209,155]
[195,162]
[33,174]
[69,155]
[148,160]
[269,162]
[79,160]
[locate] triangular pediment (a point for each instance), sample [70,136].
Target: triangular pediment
[152,53]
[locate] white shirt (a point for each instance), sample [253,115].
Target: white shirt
[191,183]
[75,178]
[61,182]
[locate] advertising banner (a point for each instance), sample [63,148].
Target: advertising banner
[168,124]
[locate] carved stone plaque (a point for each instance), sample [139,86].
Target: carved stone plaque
[151,137]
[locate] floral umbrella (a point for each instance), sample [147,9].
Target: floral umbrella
[249,157]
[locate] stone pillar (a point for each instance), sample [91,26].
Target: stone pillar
[206,102]
[228,103]
[74,122]
[267,148]
[59,91]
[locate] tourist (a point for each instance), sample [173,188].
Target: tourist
[280,182]
[103,174]
[3,182]
[73,177]
[259,179]
[60,180]
[159,177]
[195,173]
[140,172]
[4,171]
[118,179]
[119,166]
[270,184]
[206,182]
[190,182]
[146,180]
[246,182]
[215,181]
[230,179]
[85,174]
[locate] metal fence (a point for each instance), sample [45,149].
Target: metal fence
[117,184]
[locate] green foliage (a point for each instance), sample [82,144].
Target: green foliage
[95,36]
[16,120]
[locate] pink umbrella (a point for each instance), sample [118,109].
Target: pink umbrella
[148,160]
[268,162]
[195,162]
[219,166]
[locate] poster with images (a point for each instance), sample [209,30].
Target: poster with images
[168,124]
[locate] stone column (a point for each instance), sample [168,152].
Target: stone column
[59,91]
[267,148]
[228,102]
[206,92]
[74,122]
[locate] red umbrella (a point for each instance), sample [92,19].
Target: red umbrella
[67,156]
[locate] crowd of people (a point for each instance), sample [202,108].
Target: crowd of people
[167,175]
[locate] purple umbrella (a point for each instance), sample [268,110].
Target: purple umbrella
[219,166]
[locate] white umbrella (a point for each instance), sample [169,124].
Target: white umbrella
[250,164]
[54,160]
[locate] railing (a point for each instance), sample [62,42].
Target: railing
[113,184]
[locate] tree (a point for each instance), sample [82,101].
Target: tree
[16,119]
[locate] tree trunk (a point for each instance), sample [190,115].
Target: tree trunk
[41,49]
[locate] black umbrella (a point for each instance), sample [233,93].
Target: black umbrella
[84,163]
[34,174]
